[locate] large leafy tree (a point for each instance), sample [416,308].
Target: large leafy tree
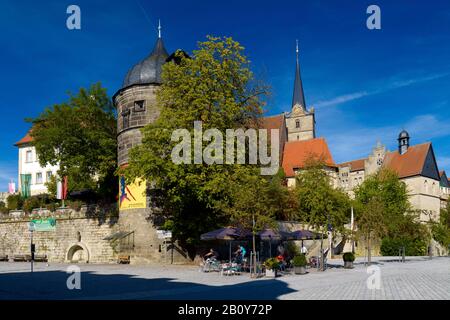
[382,205]
[320,204]
[215,86]
[80,136]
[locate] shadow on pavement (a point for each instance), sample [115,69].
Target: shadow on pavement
[51,285]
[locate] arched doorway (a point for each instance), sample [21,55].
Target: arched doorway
[78,253]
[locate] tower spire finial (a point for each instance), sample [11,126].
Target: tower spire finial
[159,28]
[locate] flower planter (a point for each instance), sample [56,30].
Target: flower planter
[300,270]
[348,264]
[271,273]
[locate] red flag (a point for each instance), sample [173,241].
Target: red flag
[64,188]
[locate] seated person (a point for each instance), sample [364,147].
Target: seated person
[212,254]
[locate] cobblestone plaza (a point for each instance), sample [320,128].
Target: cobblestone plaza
[419,278]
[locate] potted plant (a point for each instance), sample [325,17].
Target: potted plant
[299,262]
[271,266]
[348,257]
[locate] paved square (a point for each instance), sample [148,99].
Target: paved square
[418,278]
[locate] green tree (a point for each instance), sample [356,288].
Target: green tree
[250,206]
[80,136]
[371,221]
[441,229]
[215,86]
[383,193]
[282,200]
[320,204]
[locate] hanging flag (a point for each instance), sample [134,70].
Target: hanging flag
[352,221]
[61,189]
[25,190]
[11,187]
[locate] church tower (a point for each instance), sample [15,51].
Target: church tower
[300,122]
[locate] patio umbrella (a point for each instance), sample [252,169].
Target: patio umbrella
[306,235]
[270,234]
[227,234]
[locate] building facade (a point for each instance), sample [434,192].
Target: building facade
[32,176]
[415,165]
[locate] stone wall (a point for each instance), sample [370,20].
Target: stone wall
[78,236]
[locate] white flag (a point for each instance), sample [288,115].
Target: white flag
[59,190]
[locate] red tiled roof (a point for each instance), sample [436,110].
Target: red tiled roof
[355,165]
[297,152]
[272,122]
[26,139]
[409,164]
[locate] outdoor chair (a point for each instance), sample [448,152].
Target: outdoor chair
[210,265]
[231,269]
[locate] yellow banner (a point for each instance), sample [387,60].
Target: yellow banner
[132,196]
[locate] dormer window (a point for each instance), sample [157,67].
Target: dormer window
[125,119]
[139,106]
[297,123]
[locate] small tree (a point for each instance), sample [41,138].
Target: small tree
[249,205]
[385,196]
[319,204]
[371,222]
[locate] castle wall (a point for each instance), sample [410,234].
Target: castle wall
[74,230]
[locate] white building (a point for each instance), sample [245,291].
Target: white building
[30,169]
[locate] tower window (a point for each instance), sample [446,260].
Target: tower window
[139,106]
[125,119]
[297,123]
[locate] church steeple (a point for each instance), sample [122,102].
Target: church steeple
[298,96]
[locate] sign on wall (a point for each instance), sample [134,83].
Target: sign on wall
[42,225]
[132,196]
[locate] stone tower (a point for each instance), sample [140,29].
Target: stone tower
[403,142]
[136,107]
[300,122]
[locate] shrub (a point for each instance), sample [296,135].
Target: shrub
[3,208]
[348,257]
[75,205]
[31,203]
[51,206]
[292,249]
[441,233]
[413,247]
[15,202]
[272,264]
[299,261]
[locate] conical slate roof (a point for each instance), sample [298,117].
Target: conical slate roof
[149,69]
[298,96]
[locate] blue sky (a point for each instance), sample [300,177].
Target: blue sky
[366,85]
